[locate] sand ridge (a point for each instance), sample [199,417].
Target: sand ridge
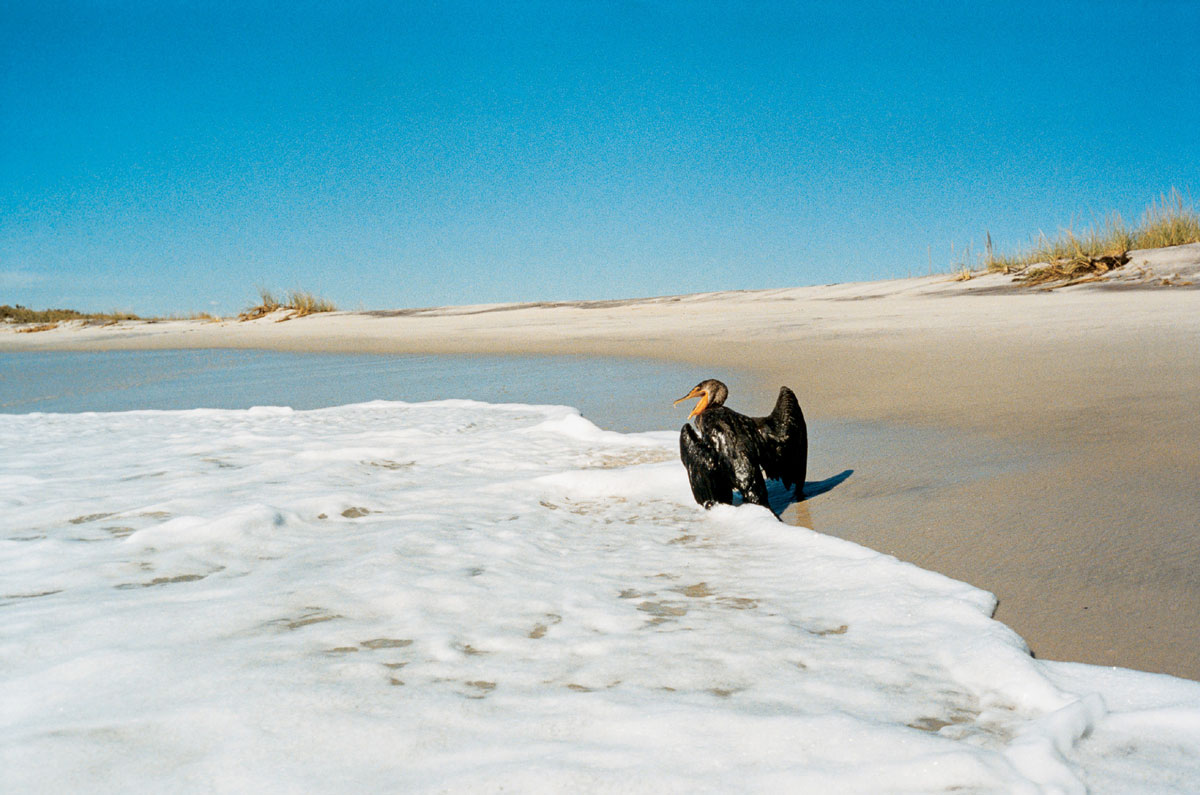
[675,326]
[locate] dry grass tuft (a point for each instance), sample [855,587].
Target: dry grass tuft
[299,303]
[302,304]
[1168,222]
[1072,258]
[267,304]
[1112,239]
[1072,271]
[23,314]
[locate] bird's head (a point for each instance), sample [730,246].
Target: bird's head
[711,393]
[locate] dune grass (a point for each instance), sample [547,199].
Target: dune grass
[34,320]
[267,304]
[49,318]
[297,302]
[1169,221]
[302,303]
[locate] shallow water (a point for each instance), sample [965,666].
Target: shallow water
[617,394]
[624,395]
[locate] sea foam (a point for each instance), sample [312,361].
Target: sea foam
[460,596]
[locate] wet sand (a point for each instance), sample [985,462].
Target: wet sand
[1042,445]
[1068,491]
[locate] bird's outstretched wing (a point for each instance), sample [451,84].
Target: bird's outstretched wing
[708,471]
[783,436]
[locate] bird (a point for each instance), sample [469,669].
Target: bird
[728,451]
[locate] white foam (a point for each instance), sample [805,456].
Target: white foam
[462,596]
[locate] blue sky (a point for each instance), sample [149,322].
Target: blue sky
[168,157]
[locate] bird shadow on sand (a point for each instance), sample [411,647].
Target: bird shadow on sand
[814,487]
[782,498]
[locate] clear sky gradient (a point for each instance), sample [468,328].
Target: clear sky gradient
[167,157]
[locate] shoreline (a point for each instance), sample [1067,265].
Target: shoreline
[1060,441]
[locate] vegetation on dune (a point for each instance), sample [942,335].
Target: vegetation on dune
[297,302]
[308,304]
[33,320]
[1072,258]
[1169,222]
[49,318]
[267,304]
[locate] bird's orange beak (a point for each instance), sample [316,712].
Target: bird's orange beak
[701,406]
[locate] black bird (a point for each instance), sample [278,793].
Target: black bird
[728,451]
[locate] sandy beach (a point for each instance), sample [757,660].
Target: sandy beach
[1041,444]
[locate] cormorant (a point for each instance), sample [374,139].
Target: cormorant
[728,451]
